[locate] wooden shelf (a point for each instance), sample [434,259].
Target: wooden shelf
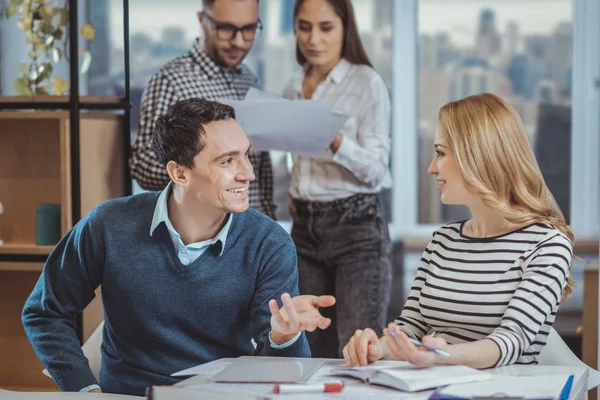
[59,99]
[25,248]
[20,266]
[30,389]
[35,168]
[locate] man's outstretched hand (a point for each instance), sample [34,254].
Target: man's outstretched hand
[300,313]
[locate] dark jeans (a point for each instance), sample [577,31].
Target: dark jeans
[344,250]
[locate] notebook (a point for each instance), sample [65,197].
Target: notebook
[406,377]
[547,387]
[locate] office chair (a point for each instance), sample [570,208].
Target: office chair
[556,352]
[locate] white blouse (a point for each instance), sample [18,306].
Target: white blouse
[361,164]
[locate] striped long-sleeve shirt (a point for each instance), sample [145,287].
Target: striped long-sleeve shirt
[505,288]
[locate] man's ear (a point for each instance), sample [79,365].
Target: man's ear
[177,173]
[202,21]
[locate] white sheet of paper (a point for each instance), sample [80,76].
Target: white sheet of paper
[304,127]
[255,94]
[538,387]
[269,370]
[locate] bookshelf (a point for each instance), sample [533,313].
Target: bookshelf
[35,168]
[67,150]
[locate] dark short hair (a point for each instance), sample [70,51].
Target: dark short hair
[209,3]
[352,48]
[179,134]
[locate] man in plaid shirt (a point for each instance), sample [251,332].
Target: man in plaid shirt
[212,70]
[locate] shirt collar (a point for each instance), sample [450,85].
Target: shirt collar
[208,65]
[161,214]
[336,75]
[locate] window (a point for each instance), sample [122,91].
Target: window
[510,48]
[526,51]
[161,31]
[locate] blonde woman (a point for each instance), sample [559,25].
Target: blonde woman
[488,288]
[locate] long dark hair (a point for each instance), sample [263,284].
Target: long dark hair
[352,49]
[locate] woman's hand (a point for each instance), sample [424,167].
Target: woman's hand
[336,143]
[362,348]
[400,346]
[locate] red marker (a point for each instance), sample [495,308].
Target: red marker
[325,387]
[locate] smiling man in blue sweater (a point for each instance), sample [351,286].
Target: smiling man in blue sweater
[188,275]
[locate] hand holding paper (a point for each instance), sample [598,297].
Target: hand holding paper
[304,127]
[298,314]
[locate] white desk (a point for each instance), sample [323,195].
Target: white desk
[355,390]
[10,395]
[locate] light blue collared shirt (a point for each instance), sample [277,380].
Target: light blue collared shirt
[190,253]
[91,387]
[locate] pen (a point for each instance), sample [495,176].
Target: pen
[324,387]
[419,344]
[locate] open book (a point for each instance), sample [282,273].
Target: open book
[405,376]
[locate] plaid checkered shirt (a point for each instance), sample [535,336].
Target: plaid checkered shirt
[195,74]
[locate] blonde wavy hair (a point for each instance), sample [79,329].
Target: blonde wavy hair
[497,163]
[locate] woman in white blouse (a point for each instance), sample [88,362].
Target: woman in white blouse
[339,230]
[487,289]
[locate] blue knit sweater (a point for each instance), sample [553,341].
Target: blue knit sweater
[160,315]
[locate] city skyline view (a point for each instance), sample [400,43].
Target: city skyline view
[520,50]
[456,16]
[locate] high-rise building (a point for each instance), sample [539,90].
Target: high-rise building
[444,51]
[538,46]
[286,24]
[100,69]
[174,36]
[511,38]
[382,13]
[427,51]
[545,92]
[561,57]
[472,77]
[487,40]
[539,70]
[517,72]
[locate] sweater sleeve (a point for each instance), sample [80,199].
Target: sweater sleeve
[66,286]
[278,275]
[411,320]
[537,297]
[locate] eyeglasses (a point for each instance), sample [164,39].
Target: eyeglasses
[227,31]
